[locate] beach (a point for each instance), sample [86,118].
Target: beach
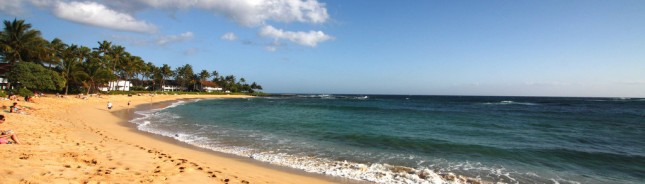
[73,140]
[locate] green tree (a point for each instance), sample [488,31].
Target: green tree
[165,72]
[57,47]
[255,86]
[18,40]
[203,76]
[70,64]
[184,75]
[215,75]
[36,77]
[93,72]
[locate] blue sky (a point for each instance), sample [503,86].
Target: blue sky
[519,48]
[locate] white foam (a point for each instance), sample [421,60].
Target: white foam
[379,173]
[376,172]
[508,102]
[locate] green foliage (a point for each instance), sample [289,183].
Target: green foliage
[35,76]
[81,69]
[25,92]
[137,88]
[18,42]
[3,94]
[122,92]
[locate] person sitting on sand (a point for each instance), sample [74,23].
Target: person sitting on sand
[14,108]
[17,109]
[5,135]
[31,99]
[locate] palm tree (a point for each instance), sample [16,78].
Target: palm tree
[70,61]
[203,75]
[117,55]
[17,40]
[83,53]
[165,72]
[148,73]
[132,65]
[104,47]
[57,47]
[255,86]
[215,75]
[93,72]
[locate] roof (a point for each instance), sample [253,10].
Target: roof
[4,68]
[208,84]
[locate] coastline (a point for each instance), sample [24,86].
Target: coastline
[73,140]
[128,116]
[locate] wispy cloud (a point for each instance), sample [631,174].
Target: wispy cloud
[191,51]
[554,83]
[631,82]
[273,46]
[92,13]
[163,40]
[230,36]
[160,40]
[11,7]
[310,39]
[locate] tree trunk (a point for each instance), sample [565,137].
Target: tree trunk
[88,89]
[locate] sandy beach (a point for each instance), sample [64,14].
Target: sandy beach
[72,140]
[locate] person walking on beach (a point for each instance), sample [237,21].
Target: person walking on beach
[5,135]
[128,104]
[109,105]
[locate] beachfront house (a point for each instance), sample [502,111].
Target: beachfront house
[119,85]
[4,69]
[172,85]
[209,86]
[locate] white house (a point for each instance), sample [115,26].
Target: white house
[4,69]
[209,86]
[119,85]
[171,85]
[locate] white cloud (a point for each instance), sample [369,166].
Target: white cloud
[631,82]
[160,40]
[96,14]
[11,7]
[119,15]
[554,83]
[254,12]
[163,40]
[191,51]
[273,46]
[230,36]
[311,38]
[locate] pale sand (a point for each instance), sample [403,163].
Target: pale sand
[73,140]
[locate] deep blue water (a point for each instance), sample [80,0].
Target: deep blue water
[507,139]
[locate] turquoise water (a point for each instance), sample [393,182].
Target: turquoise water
[409,139]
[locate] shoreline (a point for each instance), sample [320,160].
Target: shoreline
[70,140]
[130,114]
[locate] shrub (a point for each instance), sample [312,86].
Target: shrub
[25,92]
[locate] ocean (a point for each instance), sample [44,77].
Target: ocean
[414,139]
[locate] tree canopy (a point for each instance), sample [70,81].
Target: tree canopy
[38,64]
[35,76]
